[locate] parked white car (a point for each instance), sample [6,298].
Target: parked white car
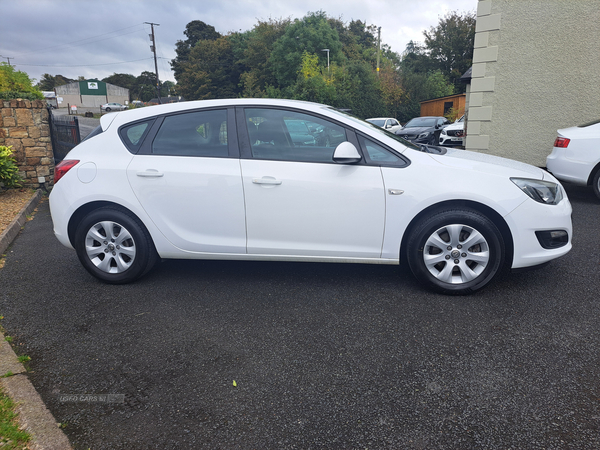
[576,156]
[453,134]
[223,179]
[387,123]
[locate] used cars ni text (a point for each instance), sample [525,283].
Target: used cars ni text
[576,156]
[236,179]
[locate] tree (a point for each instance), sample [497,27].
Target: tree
[256,49]
[124,80]
[450,45]
[49,82]
[12,80]
[195,31]
[311,34]
[209,73]
[144,88]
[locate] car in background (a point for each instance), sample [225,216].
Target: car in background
[227,180]
[576,156]
[423,130]
[299,133]
[453,134]
[387,123]
[113,107]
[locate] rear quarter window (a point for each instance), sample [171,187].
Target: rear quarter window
[133,134]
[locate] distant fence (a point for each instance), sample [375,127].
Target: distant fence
[64,131]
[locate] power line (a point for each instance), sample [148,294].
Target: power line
[84,65]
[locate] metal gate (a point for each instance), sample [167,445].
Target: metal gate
[64,132]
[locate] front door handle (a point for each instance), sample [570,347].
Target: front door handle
[150,173]
[266,180]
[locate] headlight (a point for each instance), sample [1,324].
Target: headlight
[541,191]
[444,131]
[424,135]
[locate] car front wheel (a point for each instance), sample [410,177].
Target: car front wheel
[455,251]
[114,246]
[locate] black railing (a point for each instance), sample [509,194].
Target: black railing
[64,132]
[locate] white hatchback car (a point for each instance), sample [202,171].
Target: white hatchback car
[224,179]
[576,155]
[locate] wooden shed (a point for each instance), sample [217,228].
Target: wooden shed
[441,106]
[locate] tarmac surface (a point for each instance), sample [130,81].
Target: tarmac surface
[324,356]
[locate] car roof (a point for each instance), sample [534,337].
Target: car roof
[132,115]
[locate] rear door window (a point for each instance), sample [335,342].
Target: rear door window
[200,133]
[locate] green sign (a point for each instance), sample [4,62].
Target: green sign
[92,87]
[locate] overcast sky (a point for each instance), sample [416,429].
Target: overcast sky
[98,38]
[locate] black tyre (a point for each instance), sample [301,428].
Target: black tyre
[433,140]
[108,109]
[455,251]
[596,183]
[114,246]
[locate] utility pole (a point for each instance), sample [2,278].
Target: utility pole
[378,47]
[7,57]
[153,48]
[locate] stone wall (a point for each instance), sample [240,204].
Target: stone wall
[24,126]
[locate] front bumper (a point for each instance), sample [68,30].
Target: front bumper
[531,217]
[450,141]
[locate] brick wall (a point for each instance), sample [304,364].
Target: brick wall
[24,126]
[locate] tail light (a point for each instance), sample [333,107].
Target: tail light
[562,142]
[63,167]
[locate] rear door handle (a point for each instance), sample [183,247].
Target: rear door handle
[265,180]
[150,173]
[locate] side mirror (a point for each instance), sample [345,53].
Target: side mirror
[346,153]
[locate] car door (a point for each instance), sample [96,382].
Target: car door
[298,200]
[187,178]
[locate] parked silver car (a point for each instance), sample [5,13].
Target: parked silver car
[113,107]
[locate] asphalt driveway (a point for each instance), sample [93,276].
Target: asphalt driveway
[324,356]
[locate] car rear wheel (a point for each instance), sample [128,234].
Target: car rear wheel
[596,183]
[114,246]
[107,109]
[455,251]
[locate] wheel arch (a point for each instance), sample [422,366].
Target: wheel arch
[593,174]
[490,213]
[84,210]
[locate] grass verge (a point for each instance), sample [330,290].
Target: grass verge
[11,436]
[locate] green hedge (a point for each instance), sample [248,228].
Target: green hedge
[12,95]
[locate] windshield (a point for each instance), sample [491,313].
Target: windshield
[420,122]
[378,122]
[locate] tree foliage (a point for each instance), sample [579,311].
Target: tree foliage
[12,80]
[49,82]
[450,45]
[195,31]
[287,59]
[312,34]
